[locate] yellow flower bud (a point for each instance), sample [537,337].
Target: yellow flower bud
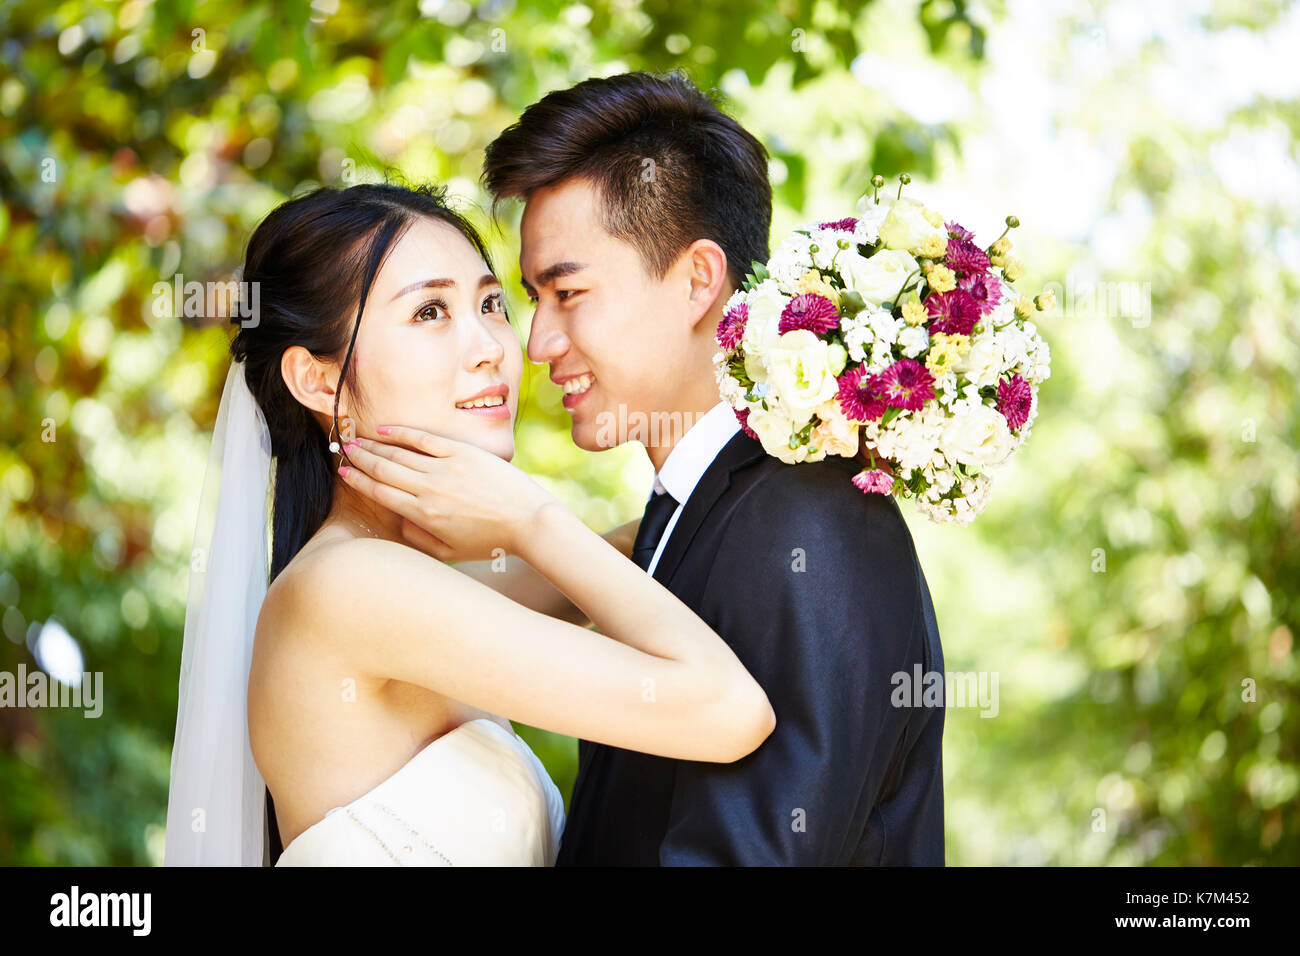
[1013,269]
[1046,301]
[1024,307]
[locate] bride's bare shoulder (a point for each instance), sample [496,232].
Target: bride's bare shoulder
[335,577]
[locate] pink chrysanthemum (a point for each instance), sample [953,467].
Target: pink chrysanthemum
[873,481]
[847,225]
[742,416]
[906,384]
[955,231]
[859,399]
[981,287]
[964,257]
[809,311]
[1015,401]
[732,326]
[954,312]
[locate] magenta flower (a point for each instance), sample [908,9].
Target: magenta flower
[809,311]
[954,313]
[732,326]
[955,231]
[859,399]
[873,481]
[981,287]
[742,416]
[964,257]
[906,384]
[848,225]
[1015,401]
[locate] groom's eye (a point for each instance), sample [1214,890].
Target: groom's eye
[565,294]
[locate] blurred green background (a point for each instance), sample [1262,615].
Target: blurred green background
[1133,584]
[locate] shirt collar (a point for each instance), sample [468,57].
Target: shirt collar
[694,453]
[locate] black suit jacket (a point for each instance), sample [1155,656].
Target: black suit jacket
[817,588]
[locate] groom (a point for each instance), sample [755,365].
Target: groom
[644,206]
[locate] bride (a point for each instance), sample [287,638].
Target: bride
[369,688]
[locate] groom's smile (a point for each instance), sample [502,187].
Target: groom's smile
[575,388]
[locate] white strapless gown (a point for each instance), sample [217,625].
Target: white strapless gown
[476,796]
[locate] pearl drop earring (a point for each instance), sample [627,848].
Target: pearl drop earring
[348,432]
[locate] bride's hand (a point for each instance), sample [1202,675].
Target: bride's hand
[458,501]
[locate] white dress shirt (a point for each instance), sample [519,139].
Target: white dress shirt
[689,460]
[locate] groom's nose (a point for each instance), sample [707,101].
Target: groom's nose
[547,341]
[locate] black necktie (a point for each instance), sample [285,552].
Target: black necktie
[657,512]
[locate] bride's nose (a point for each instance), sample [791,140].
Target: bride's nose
[482,348]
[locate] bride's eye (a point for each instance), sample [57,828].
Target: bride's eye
[431,310]
[494,303]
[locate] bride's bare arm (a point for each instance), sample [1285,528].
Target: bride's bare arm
[511,576]
[662,682]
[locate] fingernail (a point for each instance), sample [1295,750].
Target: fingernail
[343,470]
[352,444]
[383,429]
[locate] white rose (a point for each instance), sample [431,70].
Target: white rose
[906,226]
[799,369]
[774,430]
[877,278]
[978,436]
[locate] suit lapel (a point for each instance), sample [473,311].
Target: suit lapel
[740,451]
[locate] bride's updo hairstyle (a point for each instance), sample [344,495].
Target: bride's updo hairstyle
[315,258]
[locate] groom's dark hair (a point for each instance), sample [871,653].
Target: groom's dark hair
[669,165]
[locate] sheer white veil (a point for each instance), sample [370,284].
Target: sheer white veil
[216,805]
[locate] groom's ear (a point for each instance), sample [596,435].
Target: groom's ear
[707,265]
[309,380]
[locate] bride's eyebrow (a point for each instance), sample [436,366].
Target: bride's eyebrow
[485,279]
[424,284]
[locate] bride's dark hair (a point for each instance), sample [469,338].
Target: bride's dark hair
[314,259]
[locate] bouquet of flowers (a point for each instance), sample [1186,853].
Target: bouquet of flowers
[891,334]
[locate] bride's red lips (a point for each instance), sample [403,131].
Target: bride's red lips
[500,412]
[501,389]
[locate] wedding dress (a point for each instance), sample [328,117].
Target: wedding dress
[476,796]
